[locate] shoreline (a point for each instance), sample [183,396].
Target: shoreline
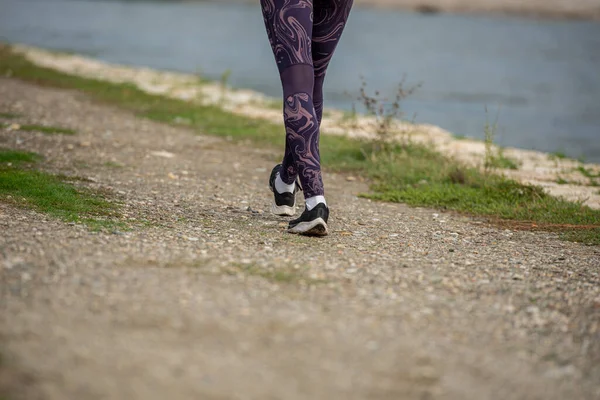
[558,176]
[584,10]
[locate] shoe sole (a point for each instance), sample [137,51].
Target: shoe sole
[283,210]
[316,227]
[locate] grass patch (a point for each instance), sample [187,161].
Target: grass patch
[501,161]
[48,130]
[587,172]
[557,155]
[50,193]
[421,177]
[7,115]
[562,181]
[408,173]
[590,237]
[590,175]
[112,164]
[16,157]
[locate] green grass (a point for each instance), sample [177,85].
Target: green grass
[48,130]
[421,177]
[17,157]
[502,162]
[7,115]
[562,181]
[410,173]
[590,237]
[587,172]
[593,178]
[557,155]
[112,164]
[50,193]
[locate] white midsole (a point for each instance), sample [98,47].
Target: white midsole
[283,210]
[303,227]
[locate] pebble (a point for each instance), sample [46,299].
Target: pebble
[162,153]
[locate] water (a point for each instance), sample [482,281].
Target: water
[542,76]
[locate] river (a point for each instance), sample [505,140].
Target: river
[542,78]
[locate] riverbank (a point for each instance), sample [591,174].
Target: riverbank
[556,174]
[554,9]
[544,9]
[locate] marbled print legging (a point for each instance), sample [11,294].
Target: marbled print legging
[303,36]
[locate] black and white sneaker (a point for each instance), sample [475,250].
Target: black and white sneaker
[283,203]
[311,223]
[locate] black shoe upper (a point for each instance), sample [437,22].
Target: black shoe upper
[320,211]
[282,199]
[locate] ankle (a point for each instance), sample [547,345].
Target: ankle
[283,187]
[312,202]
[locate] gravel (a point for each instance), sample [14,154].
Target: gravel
[208,296]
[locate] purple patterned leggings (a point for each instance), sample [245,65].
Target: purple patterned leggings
[303,36]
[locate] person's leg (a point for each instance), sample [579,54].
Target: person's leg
[329,20]
[289,26]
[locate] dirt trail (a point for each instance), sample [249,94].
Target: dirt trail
[211,299]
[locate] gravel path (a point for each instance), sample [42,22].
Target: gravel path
[209,298]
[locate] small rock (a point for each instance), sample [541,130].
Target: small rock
[162,153]
[350,178]
[561,372]
[532,310]
[372,345]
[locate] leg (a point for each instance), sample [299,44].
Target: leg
[330,18]
[289,25]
